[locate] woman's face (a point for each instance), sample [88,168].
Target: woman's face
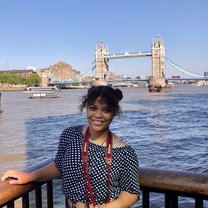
[99,116]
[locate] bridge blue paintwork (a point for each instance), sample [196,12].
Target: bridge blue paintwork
[128,80]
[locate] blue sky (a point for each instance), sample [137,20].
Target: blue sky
[42,32]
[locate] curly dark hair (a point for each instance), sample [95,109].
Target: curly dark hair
[106,94]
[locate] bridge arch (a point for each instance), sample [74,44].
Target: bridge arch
[157,53]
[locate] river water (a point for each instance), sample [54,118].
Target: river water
[168,131]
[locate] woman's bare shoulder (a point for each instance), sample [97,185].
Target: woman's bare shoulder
[118,142]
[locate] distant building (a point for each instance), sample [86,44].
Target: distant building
[31,68]
[206,74]
[23,73]
[59,71]
[87,79]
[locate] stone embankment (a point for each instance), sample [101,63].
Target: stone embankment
[2,89]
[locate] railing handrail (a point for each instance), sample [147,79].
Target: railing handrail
[10,192]
[187,183]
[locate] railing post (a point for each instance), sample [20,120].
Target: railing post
[25,201]
[198,202]
[50,194]
[171,200]
[10,205]
[38,197]
[145,198]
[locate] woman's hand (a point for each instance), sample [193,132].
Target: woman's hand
[48,172]
[17,177]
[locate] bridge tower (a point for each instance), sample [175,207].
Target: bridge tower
[101,71]
[158,56]
[157,82]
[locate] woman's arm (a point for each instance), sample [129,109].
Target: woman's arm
[48,172]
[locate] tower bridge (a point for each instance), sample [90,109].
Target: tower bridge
[157,53]
[161,65]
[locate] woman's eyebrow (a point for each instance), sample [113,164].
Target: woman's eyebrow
[106,107]
[92,104]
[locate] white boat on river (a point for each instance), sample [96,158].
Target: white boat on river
[43,92]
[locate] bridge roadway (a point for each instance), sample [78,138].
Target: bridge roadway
[127,80]
[128,55]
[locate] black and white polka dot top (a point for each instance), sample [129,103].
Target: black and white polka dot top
[124,169]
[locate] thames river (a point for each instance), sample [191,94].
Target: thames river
[168,131]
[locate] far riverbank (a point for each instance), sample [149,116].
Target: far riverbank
[3,89]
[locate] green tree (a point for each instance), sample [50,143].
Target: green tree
[33,80]
[14,79]
[3,78]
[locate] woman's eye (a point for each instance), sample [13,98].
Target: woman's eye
[92,108]
[107,110]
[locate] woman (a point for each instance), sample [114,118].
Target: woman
[97,168]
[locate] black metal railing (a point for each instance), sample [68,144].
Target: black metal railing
[9,194]
[170,184]
[173,184]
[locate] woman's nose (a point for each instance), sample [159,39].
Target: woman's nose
[98,113]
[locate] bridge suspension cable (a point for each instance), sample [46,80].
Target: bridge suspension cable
[182,70]
[87,70]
